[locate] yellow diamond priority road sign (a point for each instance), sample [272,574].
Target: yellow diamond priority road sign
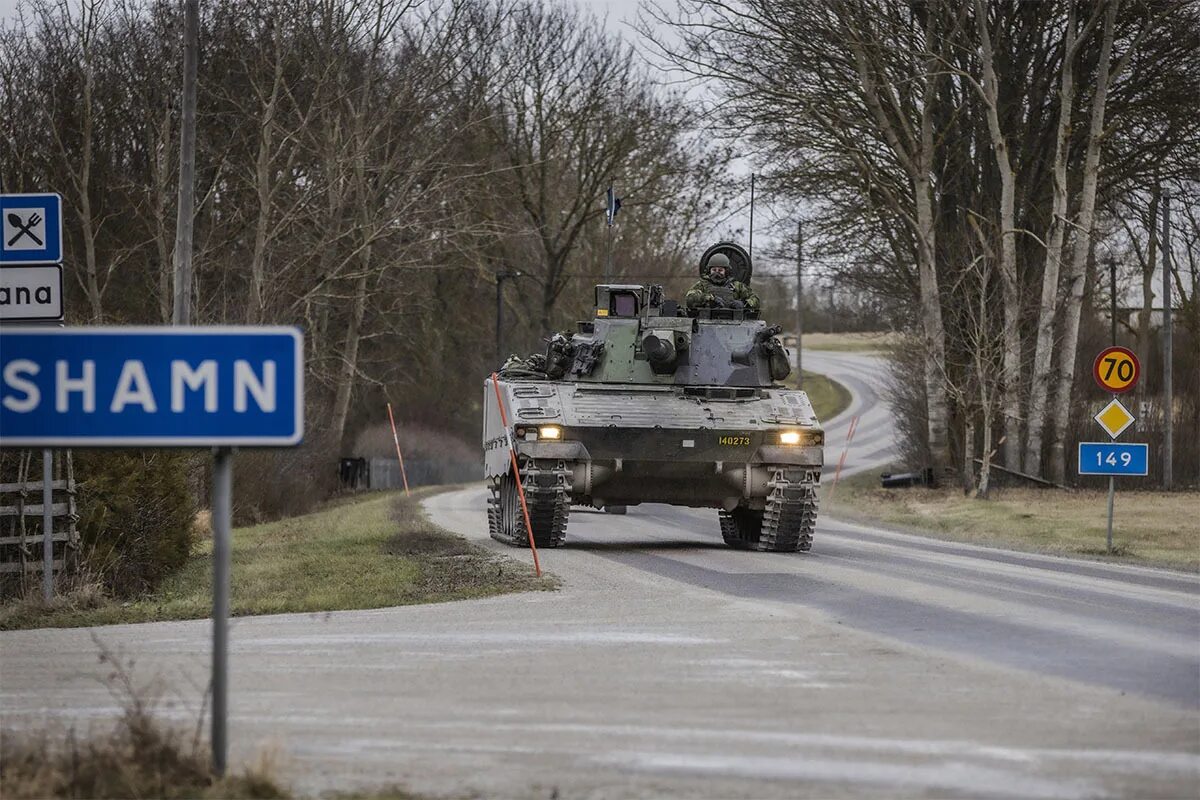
[1114,418]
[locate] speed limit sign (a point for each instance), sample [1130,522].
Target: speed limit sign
[1116,369]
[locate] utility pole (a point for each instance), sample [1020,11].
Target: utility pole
[750,249]
[830,307]
[1168,347]
[1112,285]
[181,313]
[799,301]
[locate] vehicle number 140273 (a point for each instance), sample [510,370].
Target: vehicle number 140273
[734,441]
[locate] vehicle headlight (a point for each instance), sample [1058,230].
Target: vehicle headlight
[806,438]
[549,432]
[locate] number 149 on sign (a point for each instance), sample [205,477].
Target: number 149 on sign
[1111,458]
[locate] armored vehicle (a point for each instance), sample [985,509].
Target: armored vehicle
[650,403]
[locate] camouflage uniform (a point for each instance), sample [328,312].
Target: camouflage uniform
[707,294]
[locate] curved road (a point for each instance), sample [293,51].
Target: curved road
[879,665]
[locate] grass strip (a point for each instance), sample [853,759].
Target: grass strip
[828,397]
[1149,528]
[371,552]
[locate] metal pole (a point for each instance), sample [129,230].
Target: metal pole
[1168,347]
[750,249]
[608,256]
[799,302]
[47,525]
[1112,285]
[1112,490]
[222,520]
[181,313]
[1112,481]
[831,308]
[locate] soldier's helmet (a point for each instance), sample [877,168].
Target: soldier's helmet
[718,261]
[735,259]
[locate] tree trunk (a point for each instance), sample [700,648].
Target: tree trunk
[166,266]
[1081,254]
[349,371]
[1011,374]
[87,224]
[933,335]
[931,304]
[985,462]
[1044,350]
[262,186]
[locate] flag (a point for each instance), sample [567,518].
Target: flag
[614,205]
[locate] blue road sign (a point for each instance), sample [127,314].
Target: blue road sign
[32,229]
[151,387]
[1111,458]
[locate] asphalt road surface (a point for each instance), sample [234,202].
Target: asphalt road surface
[878,665]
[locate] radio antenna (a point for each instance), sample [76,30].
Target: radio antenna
[751,248]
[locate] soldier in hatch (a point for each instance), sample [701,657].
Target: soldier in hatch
[718,290]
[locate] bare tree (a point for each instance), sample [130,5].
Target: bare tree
[574,113]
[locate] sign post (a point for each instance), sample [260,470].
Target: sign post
[1115,370]
[222,515]
[219,387]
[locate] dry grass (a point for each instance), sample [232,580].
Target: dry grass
[139,757]
[868,342]
[356,553]
[1149,528]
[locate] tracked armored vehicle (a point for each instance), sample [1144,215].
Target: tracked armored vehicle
[648,403]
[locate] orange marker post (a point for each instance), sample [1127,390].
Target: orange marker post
[512,452]
[396,439]
[842,461]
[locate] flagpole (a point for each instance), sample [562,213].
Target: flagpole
[608,258]
[751,251]
[611,204]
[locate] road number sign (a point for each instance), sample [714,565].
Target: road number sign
[32,229]
[1116,370]
[151,387]
[1111,458]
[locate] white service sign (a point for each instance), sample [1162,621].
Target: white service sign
[31,292]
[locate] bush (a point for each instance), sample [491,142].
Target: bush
[904,391]
[135,516]
[271,484]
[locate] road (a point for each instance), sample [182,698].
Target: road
[879,665]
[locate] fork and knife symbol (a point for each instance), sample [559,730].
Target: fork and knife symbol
[25,228]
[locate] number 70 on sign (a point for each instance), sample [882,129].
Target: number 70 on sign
[1116,369]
